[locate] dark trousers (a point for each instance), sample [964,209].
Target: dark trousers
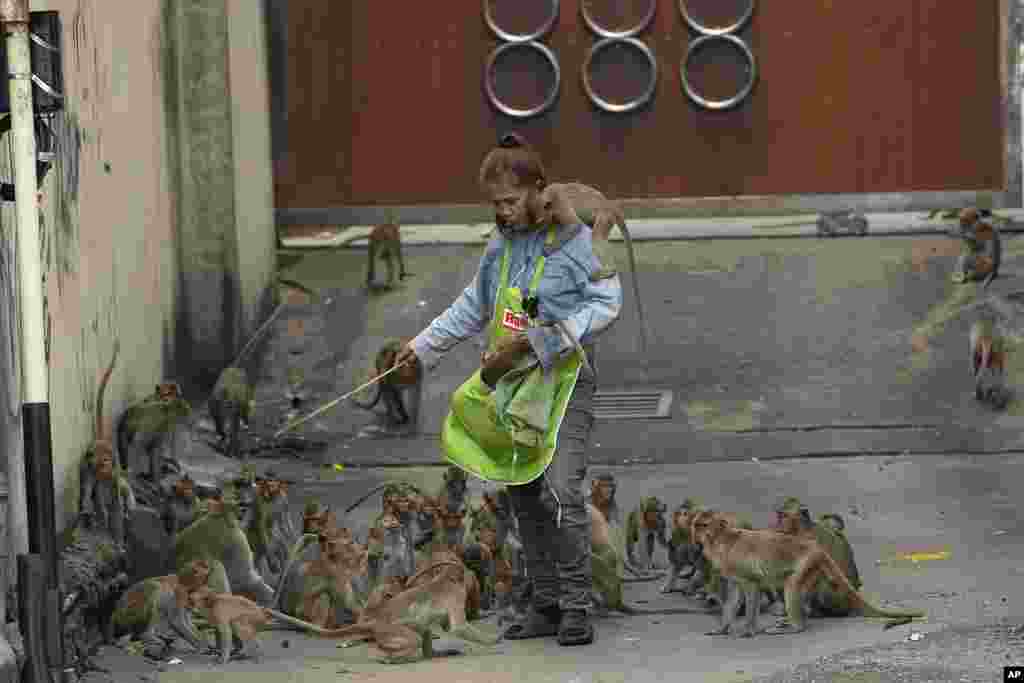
[552,517]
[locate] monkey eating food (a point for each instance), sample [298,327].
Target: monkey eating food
[769,560]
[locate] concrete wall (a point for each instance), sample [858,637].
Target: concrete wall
[161,192]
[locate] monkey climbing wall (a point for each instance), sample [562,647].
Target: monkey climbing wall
[386,101]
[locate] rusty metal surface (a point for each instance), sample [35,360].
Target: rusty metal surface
[850,98]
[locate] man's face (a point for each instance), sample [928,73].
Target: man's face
[515,207]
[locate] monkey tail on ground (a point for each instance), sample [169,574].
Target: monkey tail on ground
[306,626]
[826,566]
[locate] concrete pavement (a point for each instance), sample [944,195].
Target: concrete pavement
[967,508]
[774,350]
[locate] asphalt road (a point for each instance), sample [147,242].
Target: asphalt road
[776,350]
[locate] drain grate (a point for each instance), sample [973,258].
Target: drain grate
[632,405]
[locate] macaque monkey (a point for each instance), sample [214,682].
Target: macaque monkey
[400,625]
[988,350]
[453,490]
[180,508]
[237,619]
[602,497]
[321,591]
[606,563]
[160,602]
[571,203]
[152,425]
[218,536]
[384,242]
[821,600]
[405,380]
[683,552]
[647,521]
[982,248]
[766,560]
[259,526]
[106,499]
[231,406]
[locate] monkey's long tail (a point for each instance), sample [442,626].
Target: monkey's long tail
[360,631]
[636,286]
[837,577]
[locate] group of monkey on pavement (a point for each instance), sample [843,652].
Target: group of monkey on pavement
[435,562]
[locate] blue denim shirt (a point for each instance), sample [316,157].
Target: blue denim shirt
[565,292]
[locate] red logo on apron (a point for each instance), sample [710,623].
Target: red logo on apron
[513,321]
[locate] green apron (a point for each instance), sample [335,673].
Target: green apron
[473,437]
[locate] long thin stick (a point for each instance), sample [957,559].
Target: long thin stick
[258,333]
[328,406]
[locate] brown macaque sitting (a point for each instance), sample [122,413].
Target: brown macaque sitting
[982,248]
[602,497]
[989,348]
[268,507]
[390,552]
[181,507]
[152,426]
[321,591]
[106,500]
[400,625]
[793,519]
[401,391]
[158,604]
